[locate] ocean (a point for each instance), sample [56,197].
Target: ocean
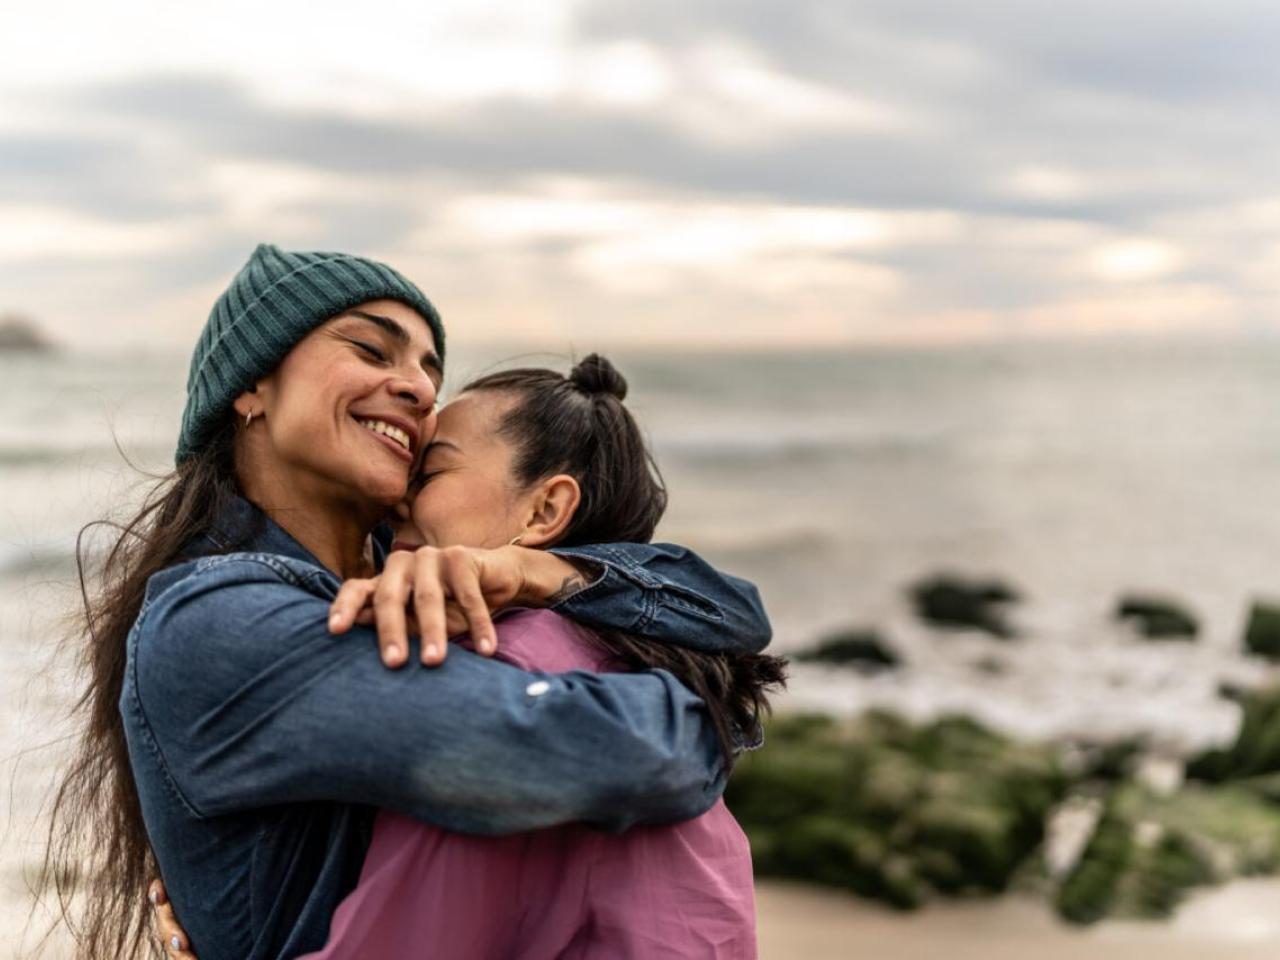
[1075,471]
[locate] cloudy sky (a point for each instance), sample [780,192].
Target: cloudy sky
[749,172]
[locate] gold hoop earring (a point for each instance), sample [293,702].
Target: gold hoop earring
[248,419]
[515,541]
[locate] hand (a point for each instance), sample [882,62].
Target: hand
[440,592]
[435,593]
[167,930]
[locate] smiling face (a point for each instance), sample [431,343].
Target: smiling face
[466,494]
[346,413]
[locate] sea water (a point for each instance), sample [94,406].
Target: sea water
[1075,471]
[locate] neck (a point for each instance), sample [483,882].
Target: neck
[334,529]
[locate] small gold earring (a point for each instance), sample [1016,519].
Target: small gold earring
[248,418]
[515,541]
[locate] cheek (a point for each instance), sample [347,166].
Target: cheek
[455,510]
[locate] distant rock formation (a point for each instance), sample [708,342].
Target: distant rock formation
[863,650]
[1158,618]
[949,601]
[19,334]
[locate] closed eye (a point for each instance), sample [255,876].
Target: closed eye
[422,479]
[371,350]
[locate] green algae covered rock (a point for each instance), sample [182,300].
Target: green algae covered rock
[1262,635]
[950,601]
[1256,750]
[1158,618]
[863,650]
[892,810]
[1089,892]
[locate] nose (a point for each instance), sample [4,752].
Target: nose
[418,391]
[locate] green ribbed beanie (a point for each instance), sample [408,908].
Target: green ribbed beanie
[276,299]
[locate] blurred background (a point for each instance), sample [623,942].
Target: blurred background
[954,326]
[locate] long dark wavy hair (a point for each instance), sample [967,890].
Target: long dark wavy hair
[578,425]
[98,861]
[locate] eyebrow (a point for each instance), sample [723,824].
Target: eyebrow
[430,360]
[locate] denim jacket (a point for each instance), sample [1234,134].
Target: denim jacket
[261,744]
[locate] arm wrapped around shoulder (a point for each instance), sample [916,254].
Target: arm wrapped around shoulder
[252,702]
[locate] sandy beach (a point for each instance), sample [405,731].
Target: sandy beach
[798,922]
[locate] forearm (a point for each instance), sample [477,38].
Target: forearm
[668,593]
[285,712]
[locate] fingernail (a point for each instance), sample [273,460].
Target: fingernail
[394,653]
[154,897]
[486,645]
[432,650]
[175,942]
[333,620]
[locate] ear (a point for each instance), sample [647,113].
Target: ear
[554,503]
[251,401]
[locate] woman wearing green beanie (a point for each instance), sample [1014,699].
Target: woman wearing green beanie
[236,747]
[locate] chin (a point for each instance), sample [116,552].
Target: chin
[385,487]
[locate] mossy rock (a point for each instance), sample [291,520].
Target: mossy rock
[1256,750]
[979,837]
[1236,821]
[1158,618]
[864,650]
[902,810]
[1090,891]
[1113,761]
[1262,635]
[836,853]
[949,601]
[1164,874]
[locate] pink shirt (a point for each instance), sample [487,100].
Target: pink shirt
[675,891]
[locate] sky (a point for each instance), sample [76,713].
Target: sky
[676,173]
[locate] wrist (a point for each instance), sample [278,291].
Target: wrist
[547,579]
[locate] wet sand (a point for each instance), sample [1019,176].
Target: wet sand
[797,922]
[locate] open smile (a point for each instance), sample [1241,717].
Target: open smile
[392,435]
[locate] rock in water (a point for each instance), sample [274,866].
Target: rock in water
[1158,618]
[18,334]
[1262,636]
[861,649]
[1256,750]
[954,602]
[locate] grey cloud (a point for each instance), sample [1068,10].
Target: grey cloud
[113,177]
[505,141]
[1159,48]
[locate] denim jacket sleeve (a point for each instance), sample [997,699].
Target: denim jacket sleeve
[661,591]
[249,701]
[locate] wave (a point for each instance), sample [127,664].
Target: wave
[49,455]
[742,446]
[45,559]
[739,543]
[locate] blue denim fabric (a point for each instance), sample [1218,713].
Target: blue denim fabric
[261,744]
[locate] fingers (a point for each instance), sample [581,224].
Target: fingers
[462,574]
[428,605]
[351,600]
[389,601]
[171,936]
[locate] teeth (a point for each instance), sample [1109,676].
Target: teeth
[387,430]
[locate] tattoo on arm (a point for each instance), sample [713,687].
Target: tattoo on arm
[568,587]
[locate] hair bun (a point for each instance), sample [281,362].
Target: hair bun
[595,375]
